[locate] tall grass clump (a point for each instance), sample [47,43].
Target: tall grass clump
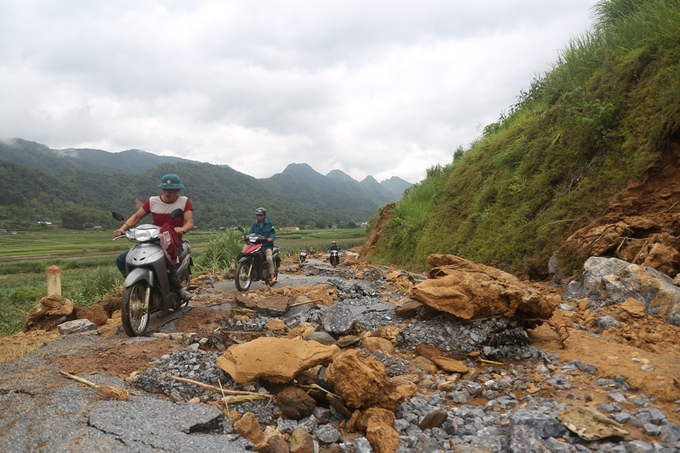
[219,252]
[409,218]
[86,288]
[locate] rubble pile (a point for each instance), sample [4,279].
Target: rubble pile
[377,371]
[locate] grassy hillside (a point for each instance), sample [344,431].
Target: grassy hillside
[589,126]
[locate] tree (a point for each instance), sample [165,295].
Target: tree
[73,217]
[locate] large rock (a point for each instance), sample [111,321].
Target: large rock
[362,383]
[474,291]
[48,313]
[608,281]
[274,359]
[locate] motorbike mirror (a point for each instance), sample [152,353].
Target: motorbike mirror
[117,215]
[241,229]
[176,213]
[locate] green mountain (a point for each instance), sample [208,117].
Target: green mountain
[335,192]
[40,183]
[53,162]
[604,118]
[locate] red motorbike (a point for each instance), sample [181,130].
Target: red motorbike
[252,262]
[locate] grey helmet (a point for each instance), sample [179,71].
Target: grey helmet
[260,211]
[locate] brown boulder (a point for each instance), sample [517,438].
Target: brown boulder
[94,313]
[382,437]
[295,403]
[474,291]
[249,428]
[48,312]
[274,359]
[362,383]
[663,258]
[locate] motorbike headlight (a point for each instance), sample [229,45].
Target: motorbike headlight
[143,235]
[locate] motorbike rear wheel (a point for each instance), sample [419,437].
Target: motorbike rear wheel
[244,276]
[135,309]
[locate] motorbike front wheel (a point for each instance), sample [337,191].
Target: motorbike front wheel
[244,276]
[135,309]
[185,281]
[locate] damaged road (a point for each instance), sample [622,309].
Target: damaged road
[357,358]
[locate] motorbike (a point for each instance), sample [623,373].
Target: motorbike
[334,258]
[252,262]
[303,256]
[147,284]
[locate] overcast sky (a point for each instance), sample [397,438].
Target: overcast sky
[369,87]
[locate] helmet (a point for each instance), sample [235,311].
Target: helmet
[260,211]
[171,182]
[333,242]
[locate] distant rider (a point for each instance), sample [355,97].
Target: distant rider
[265,228]
[334,246]
[160,208]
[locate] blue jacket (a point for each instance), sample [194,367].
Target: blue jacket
[264,231]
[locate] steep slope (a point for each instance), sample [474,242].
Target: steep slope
[604,119]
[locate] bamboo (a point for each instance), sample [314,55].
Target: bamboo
[111,393]
[220,389]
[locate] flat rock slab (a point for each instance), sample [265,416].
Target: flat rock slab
[272,305]
[149,424]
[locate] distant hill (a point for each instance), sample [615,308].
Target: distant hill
[43,182]
[396,186]
[54,161]
[336,192]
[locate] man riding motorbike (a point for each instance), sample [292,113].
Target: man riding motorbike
[265,228]
[160,208]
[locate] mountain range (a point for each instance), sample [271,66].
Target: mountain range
[78,187]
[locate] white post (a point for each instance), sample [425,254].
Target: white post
[53,281]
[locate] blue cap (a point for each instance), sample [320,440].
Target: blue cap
[171,182]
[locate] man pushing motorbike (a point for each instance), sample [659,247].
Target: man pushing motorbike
[265,228]
[160,208]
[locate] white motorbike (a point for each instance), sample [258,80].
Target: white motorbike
[147,284]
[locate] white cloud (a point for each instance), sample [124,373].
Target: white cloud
[371,88]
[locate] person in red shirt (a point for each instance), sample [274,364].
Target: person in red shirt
[160,208]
